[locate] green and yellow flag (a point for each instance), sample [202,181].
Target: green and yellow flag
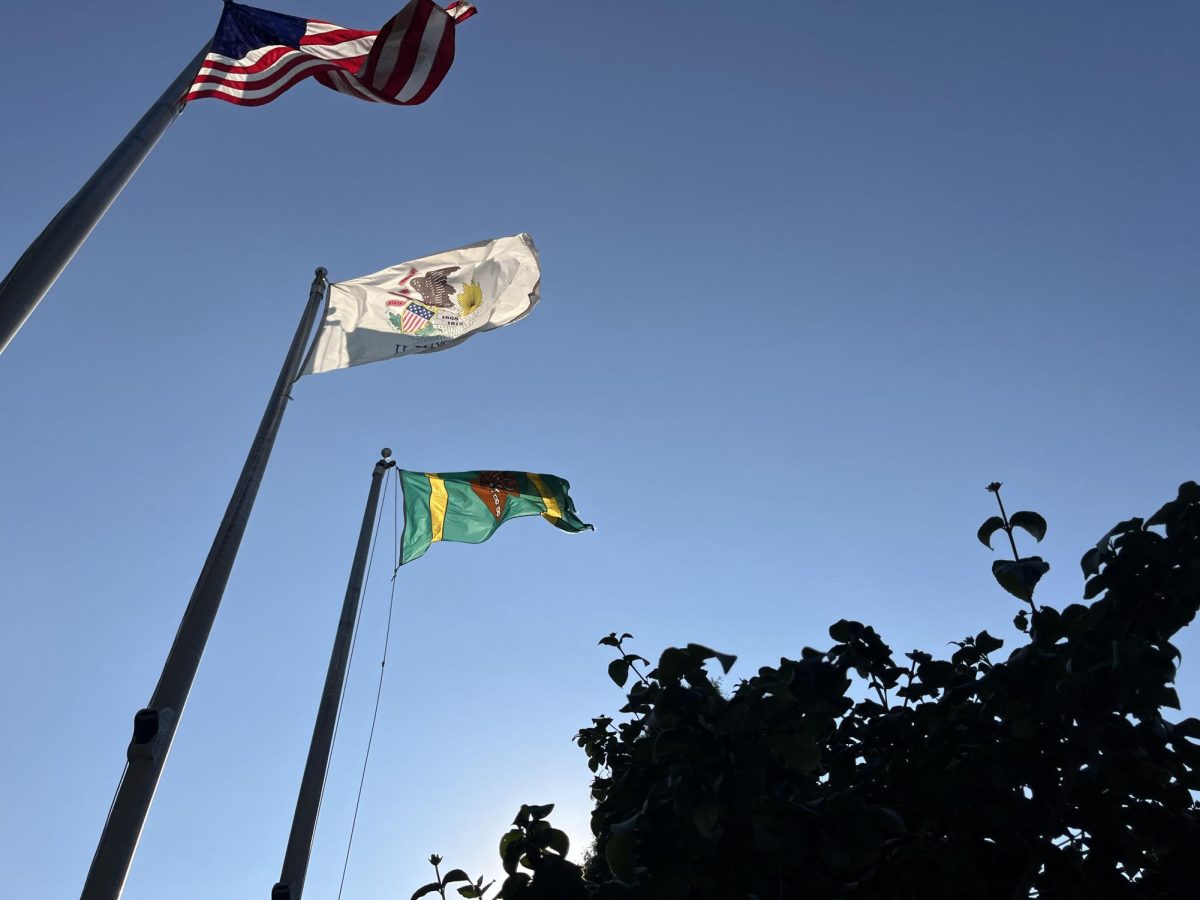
[470,506]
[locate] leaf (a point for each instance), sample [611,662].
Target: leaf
[1188,728]
[1093,559]
[618,671]
[514,885]
[985,643]
[470,892]
[618,853]
[1134,524]
[625,826]
[609,641]
[989,528]
[844,631]
[935,673]
[1020,577]
[510,850]
[1163,514]
[703,653]
[559,842]
[1047,622]
[1072,614]
[1031,522]
[1094,586]
[673,664]
[540,812]
[1102,553]
[966,655]
[455,875]
[425,889]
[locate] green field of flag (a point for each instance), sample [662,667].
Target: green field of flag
[470,506]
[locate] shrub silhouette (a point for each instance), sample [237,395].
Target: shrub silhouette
[1051,773]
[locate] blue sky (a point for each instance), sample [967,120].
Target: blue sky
[814,274]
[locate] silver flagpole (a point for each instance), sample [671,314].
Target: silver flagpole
[40,265]
[154,727]
[308,803]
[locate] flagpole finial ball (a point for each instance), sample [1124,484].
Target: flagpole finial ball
[386,452]
[321,273]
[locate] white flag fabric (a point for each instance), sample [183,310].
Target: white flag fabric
[427,304]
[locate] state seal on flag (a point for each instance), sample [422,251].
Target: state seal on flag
[435,290]
[427,304]
[412,318]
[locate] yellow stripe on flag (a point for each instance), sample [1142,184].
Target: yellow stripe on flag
[437,505]
[552,513]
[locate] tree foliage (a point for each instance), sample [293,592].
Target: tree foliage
[849,773]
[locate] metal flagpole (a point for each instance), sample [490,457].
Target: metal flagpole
[40,265]
[308,803]
[154,727]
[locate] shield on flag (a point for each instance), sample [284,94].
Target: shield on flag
[414,317]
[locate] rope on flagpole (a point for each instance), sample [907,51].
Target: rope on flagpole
[354,641]
[379,688]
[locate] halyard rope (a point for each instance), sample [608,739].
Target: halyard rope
[382,665]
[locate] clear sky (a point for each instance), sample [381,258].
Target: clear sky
[814,274]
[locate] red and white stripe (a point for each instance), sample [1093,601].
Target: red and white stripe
[402,63]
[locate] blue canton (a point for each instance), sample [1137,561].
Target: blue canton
[246,28]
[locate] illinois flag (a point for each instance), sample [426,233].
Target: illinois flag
[256,55]
[427,304]
[470,506]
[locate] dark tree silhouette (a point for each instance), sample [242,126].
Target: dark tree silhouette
[1051,774]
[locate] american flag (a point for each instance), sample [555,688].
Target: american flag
[256,55]
[414,318]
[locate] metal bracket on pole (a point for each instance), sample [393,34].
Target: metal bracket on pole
[152,732]
[155,726]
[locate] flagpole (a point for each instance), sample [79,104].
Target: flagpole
[41,264]
[308,802]
[154,727]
